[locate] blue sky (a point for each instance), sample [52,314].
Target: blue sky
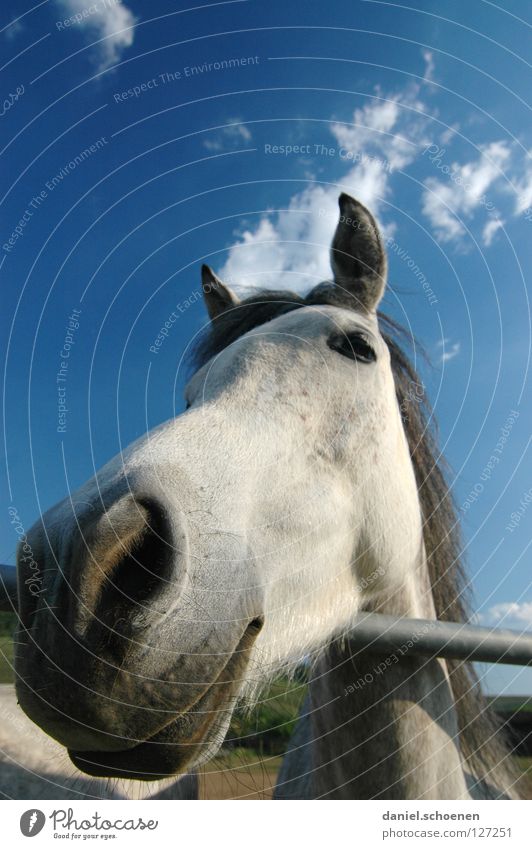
[139,141]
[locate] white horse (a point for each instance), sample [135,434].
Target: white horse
[300,487]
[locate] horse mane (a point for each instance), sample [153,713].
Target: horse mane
[485,751]
[484,748]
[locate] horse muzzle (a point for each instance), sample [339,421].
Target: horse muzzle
[186,740]
[117,656]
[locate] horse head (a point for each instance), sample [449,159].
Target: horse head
[233,540]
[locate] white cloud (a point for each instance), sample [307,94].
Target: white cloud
[510,614]
[524,188]
[449,350]
[111,20]
[490,228]
[290,248]
[462,191]
[448,135]
[429,65]
[13,30]
[234,134]
[384,127]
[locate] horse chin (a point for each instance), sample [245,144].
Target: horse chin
[188,739]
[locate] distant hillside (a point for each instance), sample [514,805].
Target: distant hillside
[509,704]
[8,622]
[516,715]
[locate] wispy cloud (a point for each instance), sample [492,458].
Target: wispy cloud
[14,30]
[490,229]
[511,614]
[449,134]
[113,22]
[462,192]
[233,135]
[384,127]
[428,56]
[524,188]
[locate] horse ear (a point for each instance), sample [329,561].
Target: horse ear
[218,297]
[358,259]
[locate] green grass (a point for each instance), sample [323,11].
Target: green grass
[8,622]
[6,658]
[268,726]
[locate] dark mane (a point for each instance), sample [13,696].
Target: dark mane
[482,744]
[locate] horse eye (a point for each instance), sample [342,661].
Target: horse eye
[355,346]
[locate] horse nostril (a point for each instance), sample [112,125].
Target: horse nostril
[130,562]
[146,569]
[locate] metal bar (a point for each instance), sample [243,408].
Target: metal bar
[424,637]
[8,589]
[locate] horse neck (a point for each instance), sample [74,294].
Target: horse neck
[385,725]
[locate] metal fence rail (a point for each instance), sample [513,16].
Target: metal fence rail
[426,637]
[389,634]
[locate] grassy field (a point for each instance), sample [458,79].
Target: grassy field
[269,725]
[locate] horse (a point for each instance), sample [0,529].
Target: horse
[301,486]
